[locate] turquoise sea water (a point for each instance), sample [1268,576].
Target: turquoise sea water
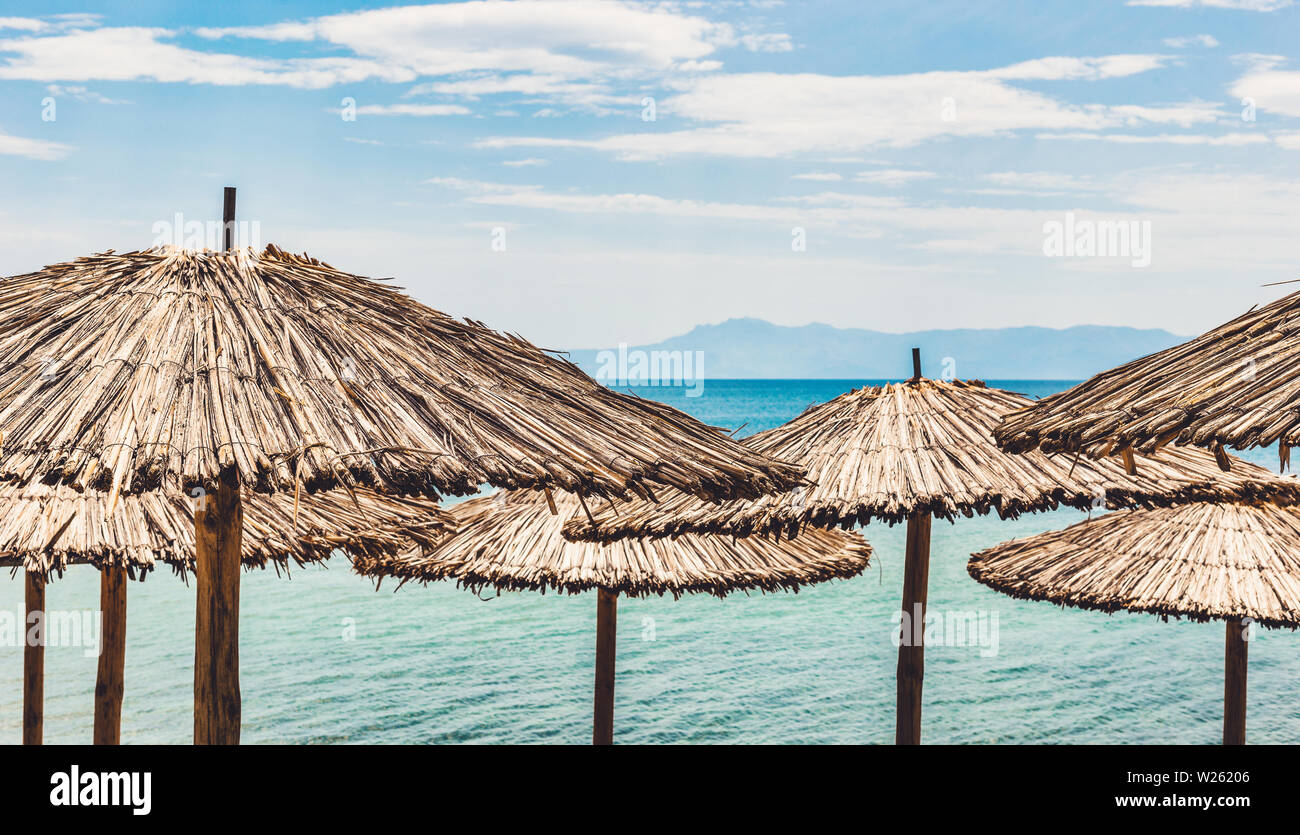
[438,665]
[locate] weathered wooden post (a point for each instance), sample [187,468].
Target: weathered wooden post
[109,682]
[911,649]
[34,659]
[218,529]
[1234,684]
[606,631]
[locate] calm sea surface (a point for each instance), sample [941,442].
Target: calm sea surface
[326,658]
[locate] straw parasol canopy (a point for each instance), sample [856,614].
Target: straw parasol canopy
[45,529]
[1236,563]
[926,447]
[512,541]
[1199,561]
[238,371]
[127,371]
[920,449]
[1235,386]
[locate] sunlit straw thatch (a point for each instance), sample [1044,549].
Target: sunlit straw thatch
[1200,561]
[512,541]
[129,371]
[926,446]
[46,529]
[1236,385]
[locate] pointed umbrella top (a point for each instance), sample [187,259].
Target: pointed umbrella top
[926,446]
[125,372]
[512,541]
[1200,561]
[1235,386]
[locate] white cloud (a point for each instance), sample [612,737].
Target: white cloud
[52,23]
[412,110]
[1207,41]
[1032,181]
[1199,220]
[893,176]
[1164,138]
[1259,61]
[1242,5]
[1274,91]
[530,162]
[134,54]
[1079,69]
[81,94]
[479,186]
[531,87]
[555,37]
[771,42]
[772,115]
[597,41]
[38,149]
[1290,141]
[24,23]
[822,176]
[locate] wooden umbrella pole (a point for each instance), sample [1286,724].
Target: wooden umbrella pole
[218,528]
[1234,684]
[34,660]
[606,628]
[911,649]
[112,656]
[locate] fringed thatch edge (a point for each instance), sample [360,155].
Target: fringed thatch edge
[181,564]
[829,516]
[309,549]
[1022,590]
[850,563]
[417,478]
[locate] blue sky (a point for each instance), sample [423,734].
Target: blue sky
[918,150]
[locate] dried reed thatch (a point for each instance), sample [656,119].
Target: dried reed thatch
[926,446]
[129,371]
[46,529]
[1235,386]
[512,541]
[1200,561]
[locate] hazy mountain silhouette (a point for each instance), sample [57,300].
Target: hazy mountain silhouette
[754,348]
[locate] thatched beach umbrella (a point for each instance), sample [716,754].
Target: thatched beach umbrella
[512,541]
[1234,386]
[271,372]
[44,530]
[1235,563]
[920,449]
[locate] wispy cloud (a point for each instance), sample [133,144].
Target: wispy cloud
[38,149]
[1207,41]
[412,110]
[767,42]
[893,176]
[1201,219]
[773,115]
[1164,138]
[1242,5]
[81,94]
[144,54]
[557,41]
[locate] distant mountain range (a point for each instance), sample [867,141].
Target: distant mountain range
[756,349]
